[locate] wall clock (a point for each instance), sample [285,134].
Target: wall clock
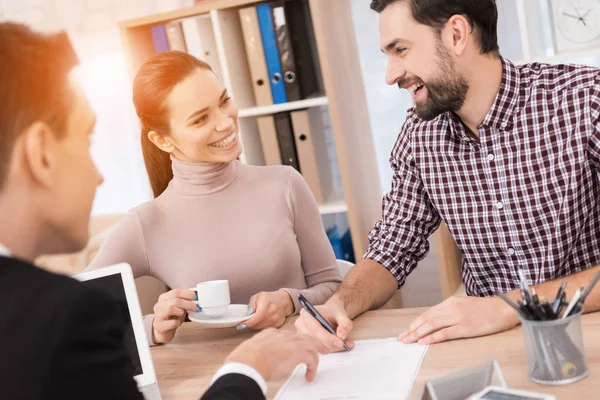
[576,24]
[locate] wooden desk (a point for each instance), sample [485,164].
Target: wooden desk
[185,366]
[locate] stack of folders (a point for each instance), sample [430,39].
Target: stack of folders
[279,42]
[297,139]
[192,35]
[281,51]
[283,64]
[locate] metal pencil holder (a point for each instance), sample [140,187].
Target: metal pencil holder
[555,351]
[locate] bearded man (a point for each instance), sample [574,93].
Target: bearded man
[507,156]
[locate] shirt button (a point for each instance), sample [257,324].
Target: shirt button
[490,157]
[499,205]
[503,125]
[511,251]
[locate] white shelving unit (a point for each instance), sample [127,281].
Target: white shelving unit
[291,106]
[335,207]
[358,194]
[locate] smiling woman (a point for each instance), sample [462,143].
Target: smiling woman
[176,120]
[213,217]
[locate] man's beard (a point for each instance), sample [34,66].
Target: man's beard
[445,93]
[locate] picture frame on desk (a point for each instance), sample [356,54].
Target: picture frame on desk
[575,25]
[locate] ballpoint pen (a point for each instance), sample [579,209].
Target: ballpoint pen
[548,310]
[313,311]
[520,309]
[587,291]
[537,312]
[559,297]
[534,296]
[523,295]
[572,303]
[525,292]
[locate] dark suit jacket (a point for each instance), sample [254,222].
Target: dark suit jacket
[62,340]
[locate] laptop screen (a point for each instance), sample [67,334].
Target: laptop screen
[113,286]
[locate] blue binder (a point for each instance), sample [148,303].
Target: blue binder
[159,39]
[267,32]
[333,235]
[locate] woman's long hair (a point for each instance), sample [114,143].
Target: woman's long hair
[151,88]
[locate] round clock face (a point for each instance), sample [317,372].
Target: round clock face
[579,20]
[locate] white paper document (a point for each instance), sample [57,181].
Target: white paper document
[374,370]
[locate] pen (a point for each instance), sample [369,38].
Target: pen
[537,312]
[523,295]
[313,311]
[524,287]
[559,296]
[572,303]
[549,311]
[588,290]
[525,311]
[511,303]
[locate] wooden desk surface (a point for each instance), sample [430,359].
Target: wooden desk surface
[185,366]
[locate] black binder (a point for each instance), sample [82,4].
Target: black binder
[301,33]
[285,137]
[286,53]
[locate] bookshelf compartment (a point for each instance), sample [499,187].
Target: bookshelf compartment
[337,110]
[302,139]
[271,61]
[200,40]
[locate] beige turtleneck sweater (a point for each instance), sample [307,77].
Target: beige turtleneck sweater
[258,227]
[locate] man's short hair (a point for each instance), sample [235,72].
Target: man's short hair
[481,14]
[34,84]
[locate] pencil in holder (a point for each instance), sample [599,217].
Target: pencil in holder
[555,352]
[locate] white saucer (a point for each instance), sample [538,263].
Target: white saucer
[236,313]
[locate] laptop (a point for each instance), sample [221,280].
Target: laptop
[117,281]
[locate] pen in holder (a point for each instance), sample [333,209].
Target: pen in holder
[553,332]
[555,351]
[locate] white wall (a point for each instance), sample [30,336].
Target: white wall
[387,105]
[92,26]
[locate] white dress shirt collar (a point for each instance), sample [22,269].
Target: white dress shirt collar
[243,369]
[4,251]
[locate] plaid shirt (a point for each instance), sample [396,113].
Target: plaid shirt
[525,194]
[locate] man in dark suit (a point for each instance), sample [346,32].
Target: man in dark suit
[59,339]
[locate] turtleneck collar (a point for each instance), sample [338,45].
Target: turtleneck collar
[198,179]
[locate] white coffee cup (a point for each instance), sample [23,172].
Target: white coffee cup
[213,297]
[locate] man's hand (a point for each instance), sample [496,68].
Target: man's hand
[274,354]
[334,313]
[461,317]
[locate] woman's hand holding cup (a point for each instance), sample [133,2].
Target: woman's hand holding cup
[169,313]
